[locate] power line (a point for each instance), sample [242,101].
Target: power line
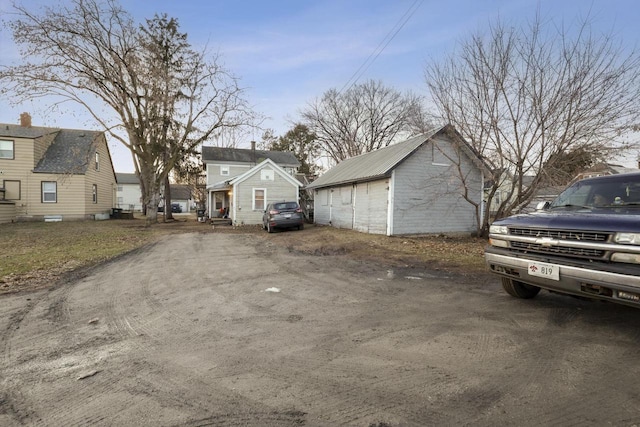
[382,45]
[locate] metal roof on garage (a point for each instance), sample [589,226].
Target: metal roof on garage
[372,165]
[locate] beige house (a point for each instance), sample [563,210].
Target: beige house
[52,174]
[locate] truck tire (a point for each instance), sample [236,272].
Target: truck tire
[519,289]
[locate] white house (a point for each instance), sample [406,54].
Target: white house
[423,185]
[129,195]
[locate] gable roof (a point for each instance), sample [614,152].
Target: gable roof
[242,155]
[30,132]
[379,163]
[180,192]
[127,178]
[70,152]
[267,162]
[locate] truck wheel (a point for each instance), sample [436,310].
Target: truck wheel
[519,289]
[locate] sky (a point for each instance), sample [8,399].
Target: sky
[287,53]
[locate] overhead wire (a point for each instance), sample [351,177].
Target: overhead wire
[382,45]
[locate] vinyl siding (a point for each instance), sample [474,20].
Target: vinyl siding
[19,169]
[214,176]
[7,212]
[427,192]
[69,192]
[104,179]
[131,197]
[277,190]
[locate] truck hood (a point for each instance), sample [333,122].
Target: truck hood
[585,220]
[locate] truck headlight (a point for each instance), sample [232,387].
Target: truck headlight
[498,229]
[627,238]
[499,243]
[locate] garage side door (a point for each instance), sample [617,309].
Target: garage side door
[370,210]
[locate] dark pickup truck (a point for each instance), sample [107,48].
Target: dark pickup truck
[586,243]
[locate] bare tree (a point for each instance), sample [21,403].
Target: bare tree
[522,97]
[366,117]
[299,141]
[166,97]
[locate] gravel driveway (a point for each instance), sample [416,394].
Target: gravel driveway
[231,330]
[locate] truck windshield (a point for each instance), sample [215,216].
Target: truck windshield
[601,193]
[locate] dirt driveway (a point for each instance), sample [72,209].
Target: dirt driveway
[231,330]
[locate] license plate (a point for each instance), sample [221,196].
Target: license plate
[541,269]
[287,215]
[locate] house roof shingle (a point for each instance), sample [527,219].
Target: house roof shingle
[241,155]
[70,152]
[180,192]
[31,132]
[127,178]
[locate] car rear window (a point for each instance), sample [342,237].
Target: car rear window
[285,205]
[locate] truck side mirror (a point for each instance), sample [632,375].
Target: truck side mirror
[543,206]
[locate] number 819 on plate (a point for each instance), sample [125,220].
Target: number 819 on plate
[542,269]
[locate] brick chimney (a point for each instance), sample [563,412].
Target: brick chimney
[25,120]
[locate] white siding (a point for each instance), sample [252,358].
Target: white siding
[131,197]
[322,206]
[371,203]
[429,192]
[342,206]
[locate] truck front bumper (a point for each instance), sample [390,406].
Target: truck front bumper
[573,279]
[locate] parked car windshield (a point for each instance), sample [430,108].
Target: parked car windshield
[601,193]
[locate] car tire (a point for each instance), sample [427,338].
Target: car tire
[301,227]
[518,289]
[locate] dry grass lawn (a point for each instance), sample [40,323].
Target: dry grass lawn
[37,255]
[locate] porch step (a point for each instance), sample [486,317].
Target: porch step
[221,221]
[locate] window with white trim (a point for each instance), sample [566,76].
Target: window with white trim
[94,193]
[224,170]
[266,174]
[7,149]
[49,192]
[259,197]
[97,161]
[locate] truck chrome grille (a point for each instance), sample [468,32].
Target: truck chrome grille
[582,236]
[558,250]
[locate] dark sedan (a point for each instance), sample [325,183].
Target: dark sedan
[282,215]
